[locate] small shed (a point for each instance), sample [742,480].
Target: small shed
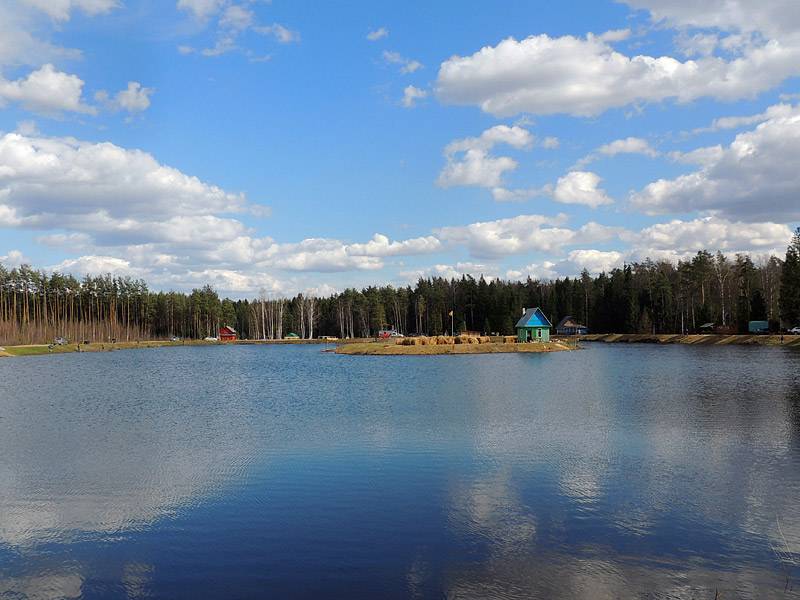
[227,334]
[758,327]
[570,326]
[533,326]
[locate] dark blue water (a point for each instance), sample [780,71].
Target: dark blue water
[282,472]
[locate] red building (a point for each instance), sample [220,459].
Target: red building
[227,334]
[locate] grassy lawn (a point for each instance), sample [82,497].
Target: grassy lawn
[41,349]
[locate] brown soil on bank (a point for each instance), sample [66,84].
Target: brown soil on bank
[695,339]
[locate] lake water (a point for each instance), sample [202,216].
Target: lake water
[284,472]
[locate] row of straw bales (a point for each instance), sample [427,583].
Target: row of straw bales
[446,340]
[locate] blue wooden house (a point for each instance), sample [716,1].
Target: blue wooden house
[533,326]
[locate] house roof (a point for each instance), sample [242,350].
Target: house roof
[569,321]
[229,329]
[534,317]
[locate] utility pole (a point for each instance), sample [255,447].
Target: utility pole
[452,323]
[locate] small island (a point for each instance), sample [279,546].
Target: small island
[450,345]
[533,335]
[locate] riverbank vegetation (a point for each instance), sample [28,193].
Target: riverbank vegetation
[653,297]
[41,349]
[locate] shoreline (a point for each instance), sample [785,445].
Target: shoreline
[46,349]
[387,349]
[372,347]
[699,339]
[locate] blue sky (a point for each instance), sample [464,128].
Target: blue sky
[291,146]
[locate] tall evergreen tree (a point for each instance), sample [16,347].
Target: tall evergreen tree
[645,297]
[790,283]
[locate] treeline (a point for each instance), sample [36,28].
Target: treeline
[646,297]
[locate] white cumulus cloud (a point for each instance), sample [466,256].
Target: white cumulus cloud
[13,258]
[629,145]
[411,94]
[100,187]
[46,91]
[469,162]
[586,76]
[777,110]
[774,18]
[133,99]
[230,20]
[407,65]
[282,34]
[595,261]
[380,245]
[61,10]
[377,34]
[544,270]
[201,8]
[754,178]
[523,233]
[580,187]
[680,239]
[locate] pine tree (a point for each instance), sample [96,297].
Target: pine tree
[790,283]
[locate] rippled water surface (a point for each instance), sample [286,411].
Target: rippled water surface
[285,472]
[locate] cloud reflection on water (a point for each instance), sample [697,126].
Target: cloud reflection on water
[609,485]
[695,456]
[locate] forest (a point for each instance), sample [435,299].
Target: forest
[646,297]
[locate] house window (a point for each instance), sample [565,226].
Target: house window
[538,333]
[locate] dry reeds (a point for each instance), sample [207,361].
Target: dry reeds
[446,340]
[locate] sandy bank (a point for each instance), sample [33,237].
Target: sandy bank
[392,349]
[698,339]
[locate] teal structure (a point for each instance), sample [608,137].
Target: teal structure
[534,326]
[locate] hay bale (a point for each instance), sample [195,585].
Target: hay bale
[509,339]
[472,340]
[484,339]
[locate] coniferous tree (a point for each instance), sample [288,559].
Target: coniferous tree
[647,297]
[790,283]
